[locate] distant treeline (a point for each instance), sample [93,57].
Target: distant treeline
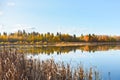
[35,37]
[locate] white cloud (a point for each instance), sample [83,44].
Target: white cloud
[2,28]
[80,30]
[1,13]
[73,30]
[11,3]
[15,28]
[23,27]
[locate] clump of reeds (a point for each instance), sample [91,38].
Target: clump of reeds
[14,66]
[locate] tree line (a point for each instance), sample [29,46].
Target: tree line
[35,37]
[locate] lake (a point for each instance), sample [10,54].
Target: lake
[103,58]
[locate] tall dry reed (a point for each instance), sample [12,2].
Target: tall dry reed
[14,66]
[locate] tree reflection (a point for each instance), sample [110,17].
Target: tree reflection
[61,49]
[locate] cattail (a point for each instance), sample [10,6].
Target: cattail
[90,74]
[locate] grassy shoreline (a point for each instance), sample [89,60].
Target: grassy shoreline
[64,43]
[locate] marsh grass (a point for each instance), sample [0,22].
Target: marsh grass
[15,66]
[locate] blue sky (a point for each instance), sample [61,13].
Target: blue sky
[66,16]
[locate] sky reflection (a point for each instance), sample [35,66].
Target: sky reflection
[103,61]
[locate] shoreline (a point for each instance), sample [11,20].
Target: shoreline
[86,43]
[63,44]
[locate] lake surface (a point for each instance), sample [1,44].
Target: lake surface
[103,58]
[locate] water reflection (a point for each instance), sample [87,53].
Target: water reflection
[61,49]
[104,58]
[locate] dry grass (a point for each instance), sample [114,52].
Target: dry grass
[14,66]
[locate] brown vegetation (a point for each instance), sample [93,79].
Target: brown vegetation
[14,66]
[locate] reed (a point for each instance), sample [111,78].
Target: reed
[15,66]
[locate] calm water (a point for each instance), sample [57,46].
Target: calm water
[104,58]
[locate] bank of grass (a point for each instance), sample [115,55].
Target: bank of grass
[15,66]
[60,43]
